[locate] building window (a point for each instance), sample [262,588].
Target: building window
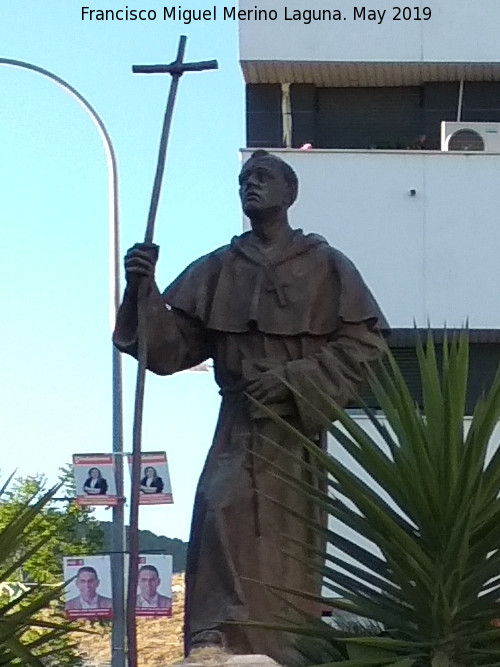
[398,117]
[484,359]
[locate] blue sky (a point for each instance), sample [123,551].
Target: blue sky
[55,389]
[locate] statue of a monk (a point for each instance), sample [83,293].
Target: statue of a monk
[274,303]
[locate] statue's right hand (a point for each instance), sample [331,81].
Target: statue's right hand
[140,261]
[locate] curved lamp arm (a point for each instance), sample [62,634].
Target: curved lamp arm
[118,648]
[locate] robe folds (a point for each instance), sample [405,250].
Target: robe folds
[303,311]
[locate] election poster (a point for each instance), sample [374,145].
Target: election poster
[95,479]
[89,594]
[154,586]
[154,480]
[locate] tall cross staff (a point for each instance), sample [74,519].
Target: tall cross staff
[176,69]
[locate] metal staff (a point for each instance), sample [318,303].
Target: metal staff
[176,69]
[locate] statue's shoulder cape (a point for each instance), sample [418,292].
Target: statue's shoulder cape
[306,288]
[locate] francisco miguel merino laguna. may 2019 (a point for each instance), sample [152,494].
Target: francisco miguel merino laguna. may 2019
[306,16]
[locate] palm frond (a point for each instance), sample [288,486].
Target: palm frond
[422,503]
[25,634]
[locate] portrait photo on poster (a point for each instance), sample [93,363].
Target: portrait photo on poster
[154,585]
[94,476]
[89,594]
[154,481]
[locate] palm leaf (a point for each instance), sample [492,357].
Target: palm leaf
[21,616]
[426,497]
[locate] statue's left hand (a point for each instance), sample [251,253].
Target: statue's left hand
[268,388]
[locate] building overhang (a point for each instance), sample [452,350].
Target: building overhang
[365,74]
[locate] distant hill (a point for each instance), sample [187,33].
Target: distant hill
[149,543]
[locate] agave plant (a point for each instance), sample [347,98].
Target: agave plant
[28,636]
[421,510]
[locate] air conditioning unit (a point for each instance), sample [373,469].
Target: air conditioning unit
[470,137]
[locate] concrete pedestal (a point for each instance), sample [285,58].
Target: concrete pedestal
[214,657]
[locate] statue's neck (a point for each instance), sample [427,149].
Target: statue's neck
[271,232]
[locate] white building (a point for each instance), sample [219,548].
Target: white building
[421,224]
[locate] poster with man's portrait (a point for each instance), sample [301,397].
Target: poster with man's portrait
[95,479]
[154,586]
[89,594]
[154,479]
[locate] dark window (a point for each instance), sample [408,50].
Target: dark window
[484,360]
[264,126]
[303,101]
[440,103]
[389,118]
[399,117]
[481,101]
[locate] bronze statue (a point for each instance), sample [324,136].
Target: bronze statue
[274,303]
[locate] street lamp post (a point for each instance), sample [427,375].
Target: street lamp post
[117,558]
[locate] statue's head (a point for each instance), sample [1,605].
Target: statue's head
[268,185]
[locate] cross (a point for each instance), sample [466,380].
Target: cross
[277,287]
[176,69]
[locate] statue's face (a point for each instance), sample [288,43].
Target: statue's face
[263,188]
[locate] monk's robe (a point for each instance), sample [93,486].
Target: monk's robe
[304,311]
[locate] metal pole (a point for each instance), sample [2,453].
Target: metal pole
[176,70]
[117,558]
[460,100]
[118,628]
[141,373]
